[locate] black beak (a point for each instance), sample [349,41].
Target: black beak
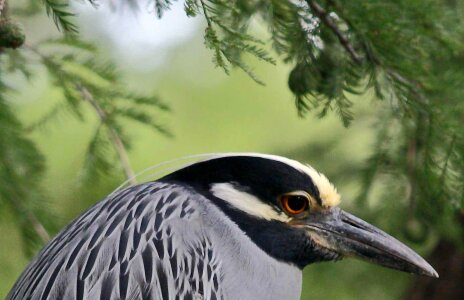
[350,236]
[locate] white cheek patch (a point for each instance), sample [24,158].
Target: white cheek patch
[247,203]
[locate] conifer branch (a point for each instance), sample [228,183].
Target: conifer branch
[322,14]
[76,89]
[114,136]
[60,14]
[22,166]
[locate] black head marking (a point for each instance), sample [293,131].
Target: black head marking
[263,177]
[266,179]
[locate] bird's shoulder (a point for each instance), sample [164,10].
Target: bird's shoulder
[145,242]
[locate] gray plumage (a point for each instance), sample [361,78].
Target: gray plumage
[155,241]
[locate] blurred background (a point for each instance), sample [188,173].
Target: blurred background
[209,111]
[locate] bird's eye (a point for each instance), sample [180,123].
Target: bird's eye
[294,204]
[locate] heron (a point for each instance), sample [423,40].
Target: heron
[232,226]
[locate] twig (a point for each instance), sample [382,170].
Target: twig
[415,86]
[322,14]
[203,6]
[114,136]
[411,166]
[38,228]
[447,159]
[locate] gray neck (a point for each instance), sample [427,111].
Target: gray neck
[248,272]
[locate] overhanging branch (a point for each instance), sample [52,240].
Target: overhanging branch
[325,18]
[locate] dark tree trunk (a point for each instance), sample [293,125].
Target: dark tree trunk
[448,260]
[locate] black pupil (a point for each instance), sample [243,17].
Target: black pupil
[297,203]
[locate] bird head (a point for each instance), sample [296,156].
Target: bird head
[291,212]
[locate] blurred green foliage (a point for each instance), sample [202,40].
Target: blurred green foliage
[65,114]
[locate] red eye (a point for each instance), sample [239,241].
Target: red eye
[294,204]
